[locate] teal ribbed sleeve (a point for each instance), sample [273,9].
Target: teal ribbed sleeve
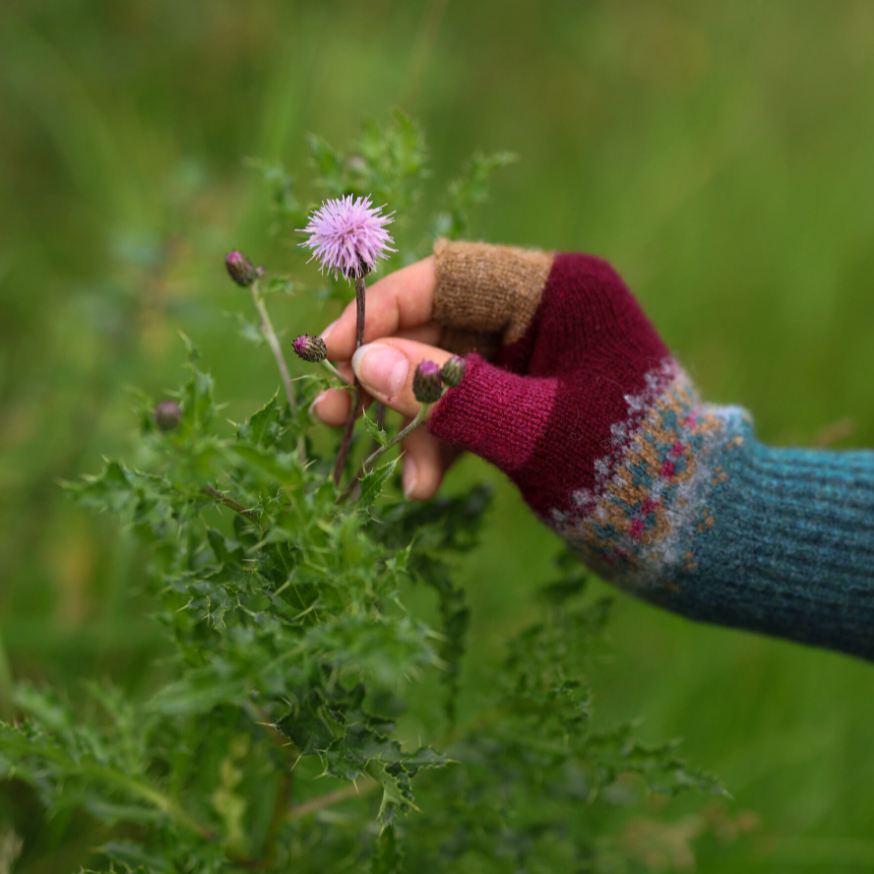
[790,550]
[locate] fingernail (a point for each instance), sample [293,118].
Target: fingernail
[326,333]
[411,477]
[381,369]
[312,410]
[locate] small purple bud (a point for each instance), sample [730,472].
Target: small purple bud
[427,385]
[452,371]
[241,269]
[310,348]
[168,415]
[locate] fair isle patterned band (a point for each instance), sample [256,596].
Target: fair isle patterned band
[638,525]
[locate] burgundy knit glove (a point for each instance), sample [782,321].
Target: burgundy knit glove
[576,363]
[583,407]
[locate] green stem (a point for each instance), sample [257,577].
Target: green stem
[417,420]
[273,343]
[420,416]
[331,798]
[334,372]
[285,783]
[237,507]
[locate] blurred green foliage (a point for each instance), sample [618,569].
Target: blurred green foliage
[718,154]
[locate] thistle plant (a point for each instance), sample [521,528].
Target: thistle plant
[307,713]
[347,235]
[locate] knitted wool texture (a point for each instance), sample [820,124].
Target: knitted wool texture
[574,396]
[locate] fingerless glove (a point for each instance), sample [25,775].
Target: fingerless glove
[571,392]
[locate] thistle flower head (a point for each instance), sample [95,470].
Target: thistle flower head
[348,235]
[310,348]
[427,385]
[168,415]
[241,269]
[452,371]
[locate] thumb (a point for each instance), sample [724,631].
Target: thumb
[386,367]
[495,414]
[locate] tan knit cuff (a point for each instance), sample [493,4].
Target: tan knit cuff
[486,295]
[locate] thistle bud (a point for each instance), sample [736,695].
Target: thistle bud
[310,348]
[241,269]
[452,371]
[427,385]
[168,415]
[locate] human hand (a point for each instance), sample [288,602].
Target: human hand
[568,341]
[399,332]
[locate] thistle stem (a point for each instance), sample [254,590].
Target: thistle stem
[419,418]
[331,798]
[237,507]
[346,442]
[273,343]
[416,421]
[334,372]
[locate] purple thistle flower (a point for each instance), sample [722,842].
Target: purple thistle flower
[310,348]
[427,385]
[347,235]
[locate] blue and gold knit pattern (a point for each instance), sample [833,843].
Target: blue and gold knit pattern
[691,512]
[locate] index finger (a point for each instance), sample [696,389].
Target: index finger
[399,301]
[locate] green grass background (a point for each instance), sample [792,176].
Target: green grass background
[720,154]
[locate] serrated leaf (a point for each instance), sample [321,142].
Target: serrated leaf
[284,467]
[198,692]
[424,757]
[387,857]
[372,483]
[134,856]
[198,407]
[377,434]
[310,728]
[263,424]
[396,795]
[277,285]
[618,752]
[249,330]
[234,557]
[469,190]
[328,162]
